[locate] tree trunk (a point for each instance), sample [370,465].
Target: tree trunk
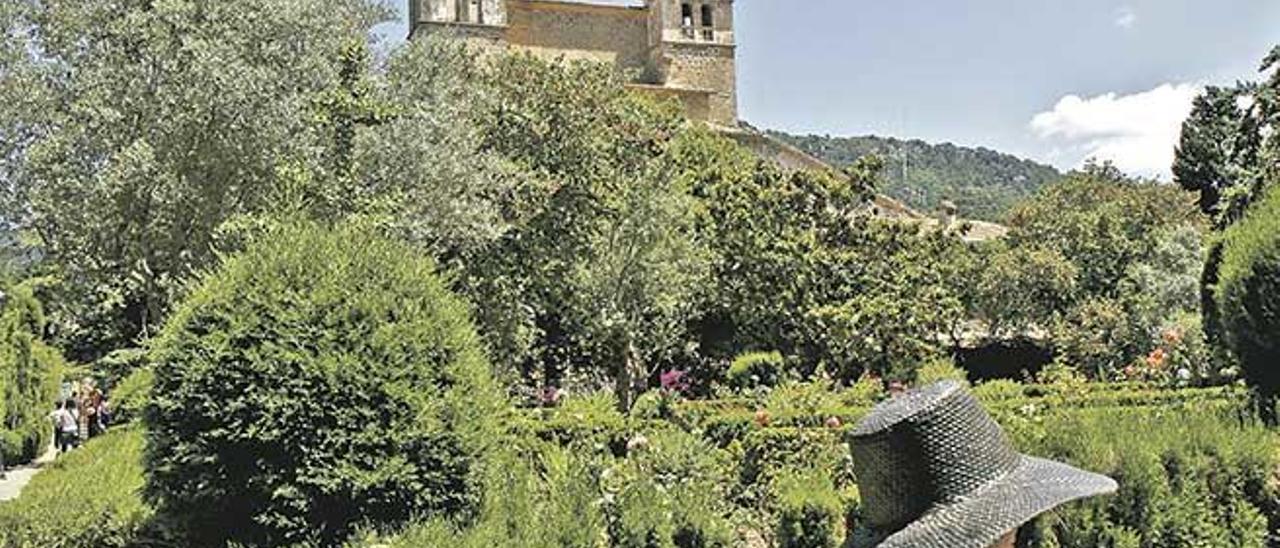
[632,378]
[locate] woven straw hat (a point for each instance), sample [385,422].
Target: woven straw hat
[935,471]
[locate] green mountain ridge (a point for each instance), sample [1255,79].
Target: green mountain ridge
[982,183]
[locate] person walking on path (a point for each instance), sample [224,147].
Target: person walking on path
[90,401]
[935,471]
[68,426]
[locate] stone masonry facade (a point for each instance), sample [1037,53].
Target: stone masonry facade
[673,48]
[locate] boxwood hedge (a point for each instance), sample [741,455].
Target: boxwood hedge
[322,380]
[1248,292]
[29,375]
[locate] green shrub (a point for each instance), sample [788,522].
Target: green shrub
[30,372]
[755,369]
[998,390]
[321,380]
[813,398]
[549,501]
[118,364]
[1192,472]
[809,512]
[1186,479]
[592,417]
[941,369]
[655,405]
[670,491]
[90,497]
[1248,293]
[131,394]
[865,393]
[771,455]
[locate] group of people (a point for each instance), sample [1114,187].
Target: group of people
[83,414]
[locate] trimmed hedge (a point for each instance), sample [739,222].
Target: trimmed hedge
[755,369]
[810,512]
[90,497]
[1167,447]
[322,380]
[131,394]
[1248,293]
[1186,478]
[30,372]
[1194,471]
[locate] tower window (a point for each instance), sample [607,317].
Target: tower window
[478,10]
[686,19]
[708,23]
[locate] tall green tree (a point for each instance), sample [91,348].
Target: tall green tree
[425,165]
[596,272]
[1228,152]
[1218,151]
[1133,246]
[1101,221]
[146,125]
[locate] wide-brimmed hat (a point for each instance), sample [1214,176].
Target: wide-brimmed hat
[935,471]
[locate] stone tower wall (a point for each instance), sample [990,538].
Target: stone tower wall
[704,67]
[610,34]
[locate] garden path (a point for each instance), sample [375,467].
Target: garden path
[17,478]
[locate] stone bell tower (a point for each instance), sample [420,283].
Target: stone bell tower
[692,47]
[682,49]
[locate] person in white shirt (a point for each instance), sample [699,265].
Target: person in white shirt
[68,423]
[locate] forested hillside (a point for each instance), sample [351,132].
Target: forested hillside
[982,183]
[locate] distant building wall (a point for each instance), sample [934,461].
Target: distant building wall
[610,34]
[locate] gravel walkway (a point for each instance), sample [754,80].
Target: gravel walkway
[17,478]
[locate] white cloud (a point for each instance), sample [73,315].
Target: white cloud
[1125,17]
[1138,132]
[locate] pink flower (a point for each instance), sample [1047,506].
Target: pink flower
[674,381]
[550,396]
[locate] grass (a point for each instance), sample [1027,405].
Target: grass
[89,497]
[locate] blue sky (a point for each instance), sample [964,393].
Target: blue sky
[1053,80]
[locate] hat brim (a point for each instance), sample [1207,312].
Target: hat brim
[1035,487]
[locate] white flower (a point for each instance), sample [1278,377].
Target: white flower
[637,443]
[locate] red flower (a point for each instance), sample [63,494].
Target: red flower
[762,417]
[833,423]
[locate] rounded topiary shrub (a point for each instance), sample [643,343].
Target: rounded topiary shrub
[1248,293]
[320,381]
[755,369]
